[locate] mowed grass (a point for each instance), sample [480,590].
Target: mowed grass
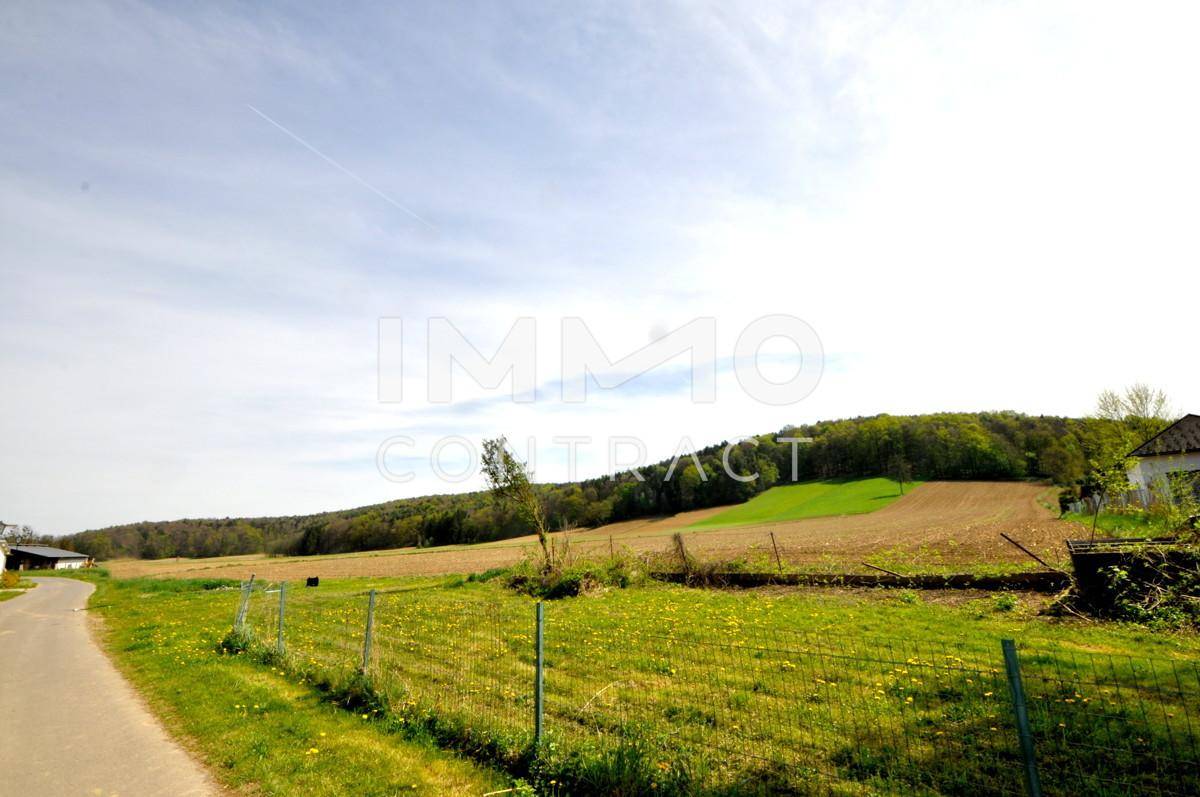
[260,730]
[668,690]
[809,500]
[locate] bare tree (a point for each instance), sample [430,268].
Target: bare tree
[15,534]
[1138,401]
[510,481]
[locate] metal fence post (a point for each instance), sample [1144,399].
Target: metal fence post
[539,676]
[1013,666]
[366,661]
[282,604]
[239,620]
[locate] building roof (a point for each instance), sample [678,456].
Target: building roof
[1181,437]
[47,552]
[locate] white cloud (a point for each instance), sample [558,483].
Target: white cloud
[977,207]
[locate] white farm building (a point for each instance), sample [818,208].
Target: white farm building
[1175,449]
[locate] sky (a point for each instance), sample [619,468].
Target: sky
[207,208]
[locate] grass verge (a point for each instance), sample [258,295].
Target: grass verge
[260,729]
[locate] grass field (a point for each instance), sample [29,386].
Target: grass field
[259,729]
[766,688]
[809,500]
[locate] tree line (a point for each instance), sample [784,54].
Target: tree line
[986,446]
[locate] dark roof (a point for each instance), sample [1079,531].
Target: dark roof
[47,552]
[1181,437]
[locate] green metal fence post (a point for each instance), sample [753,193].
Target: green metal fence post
[1012,665]
[539,676]
[282,604]
[366,662]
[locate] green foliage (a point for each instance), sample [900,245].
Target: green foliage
[576,578]
[1005,602]
[488,575]
[511,483]
[1126,523]
[1159,588]
[235,643]
[1176,503]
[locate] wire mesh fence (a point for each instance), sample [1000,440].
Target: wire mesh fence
[754,709]
[1117,725]
[471,665]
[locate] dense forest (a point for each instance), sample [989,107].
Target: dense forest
[993,445]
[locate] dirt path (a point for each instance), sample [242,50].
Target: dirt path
[69,723]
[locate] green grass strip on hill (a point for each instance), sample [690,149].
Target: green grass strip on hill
[809,500]
[256,727]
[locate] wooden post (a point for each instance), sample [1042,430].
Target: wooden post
[1096,516]
[681,552]
[1013,667]
[366,660]
[778,560]
[611,552]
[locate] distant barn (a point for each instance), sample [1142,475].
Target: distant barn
[43,557]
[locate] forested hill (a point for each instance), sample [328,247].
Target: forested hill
[994,445]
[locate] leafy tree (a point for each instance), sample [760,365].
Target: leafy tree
[1122,421]
[510,481]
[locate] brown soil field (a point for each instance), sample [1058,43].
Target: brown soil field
[938,526]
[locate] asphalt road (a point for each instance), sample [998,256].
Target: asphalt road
[69,722]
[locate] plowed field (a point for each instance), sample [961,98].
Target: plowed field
[939,525]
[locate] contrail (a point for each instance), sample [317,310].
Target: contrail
[341,168]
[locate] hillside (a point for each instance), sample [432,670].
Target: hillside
[944,446]
[938,527]
[807,500]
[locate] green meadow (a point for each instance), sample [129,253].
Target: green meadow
[651,689]
[810,499]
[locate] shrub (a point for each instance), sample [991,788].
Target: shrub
[576,578]
[1005,602]
[235,643]
[488,575]
[10,579]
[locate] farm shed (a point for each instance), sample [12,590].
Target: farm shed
[43,557]
[1175,449]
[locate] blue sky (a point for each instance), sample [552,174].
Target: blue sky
[976,206]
